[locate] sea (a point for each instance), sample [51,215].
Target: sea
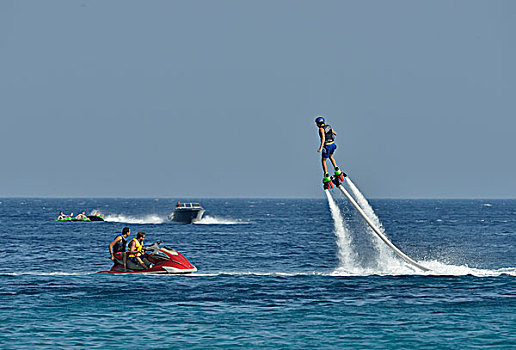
[272,273]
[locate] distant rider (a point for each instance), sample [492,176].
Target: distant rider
[118,246]
[81,216]
[136,249]
[327,147]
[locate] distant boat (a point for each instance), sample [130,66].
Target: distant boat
[186,213]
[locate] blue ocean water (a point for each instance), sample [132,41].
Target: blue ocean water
[269,276]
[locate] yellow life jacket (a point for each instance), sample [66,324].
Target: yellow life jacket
[138,247]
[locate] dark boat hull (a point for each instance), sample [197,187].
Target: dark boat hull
[186,215]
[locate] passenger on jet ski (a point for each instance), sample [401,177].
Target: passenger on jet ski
[136,248]
[118,245]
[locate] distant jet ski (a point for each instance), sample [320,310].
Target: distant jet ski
[186,213]
[96,218]
[165,260]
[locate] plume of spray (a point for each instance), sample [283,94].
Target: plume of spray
[346,255]
[385,256]
[388,263]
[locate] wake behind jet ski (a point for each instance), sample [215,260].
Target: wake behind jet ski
[163,260]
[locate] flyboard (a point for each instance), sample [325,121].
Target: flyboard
[337,182]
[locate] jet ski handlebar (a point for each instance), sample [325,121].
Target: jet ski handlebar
[154,246]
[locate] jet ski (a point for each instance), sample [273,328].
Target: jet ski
[163,259]
[95,217]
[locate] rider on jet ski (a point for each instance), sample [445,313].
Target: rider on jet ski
[118,245]
[136,248]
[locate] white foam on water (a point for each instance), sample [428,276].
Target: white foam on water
[256,273]
[213,220]
[345,253]
[146,219]
[436,269]
[385,254]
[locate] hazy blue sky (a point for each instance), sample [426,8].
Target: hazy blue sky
[218,98]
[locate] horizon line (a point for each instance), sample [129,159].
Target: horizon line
[192,197]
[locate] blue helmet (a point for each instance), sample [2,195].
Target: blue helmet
[319,119]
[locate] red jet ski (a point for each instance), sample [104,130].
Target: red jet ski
[164,260]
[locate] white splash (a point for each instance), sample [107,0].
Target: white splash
[95,212]
[146,219]
[436,269]
[385,255]
[213,220]
[345,253]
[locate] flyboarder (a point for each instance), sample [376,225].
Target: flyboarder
[327,147]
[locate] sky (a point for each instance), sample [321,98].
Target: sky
[198,99]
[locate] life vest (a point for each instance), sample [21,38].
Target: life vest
[120,246]
[328,134]
[138,247]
